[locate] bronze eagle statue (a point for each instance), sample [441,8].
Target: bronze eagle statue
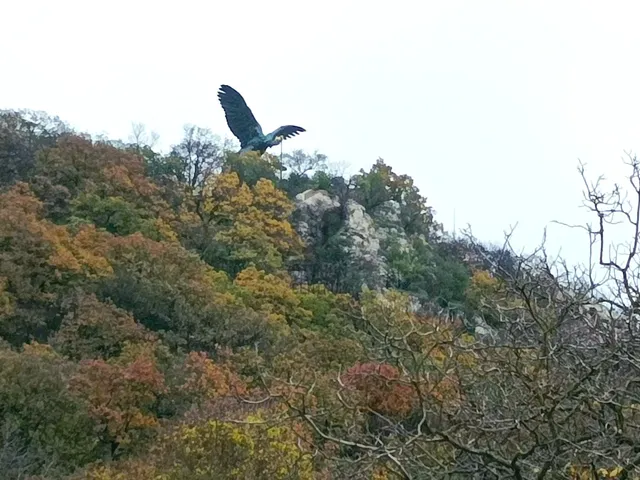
[245,126]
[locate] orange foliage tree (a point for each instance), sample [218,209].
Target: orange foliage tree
[199,381]
[83,180]
[39,262]
[120,394]
[381,388]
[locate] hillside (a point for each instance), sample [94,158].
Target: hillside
[202,315]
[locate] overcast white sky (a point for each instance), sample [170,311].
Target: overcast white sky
[488,105]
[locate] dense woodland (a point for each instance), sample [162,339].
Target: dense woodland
[161,317]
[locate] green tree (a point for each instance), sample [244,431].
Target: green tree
[381,184]
[301,169]
[251,167]
[173,292]
[43,427]
[429,272]
[118,216]
[92,329]
[23,134]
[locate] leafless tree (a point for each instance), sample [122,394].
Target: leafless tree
[140,137]
[301,163]
[201,154]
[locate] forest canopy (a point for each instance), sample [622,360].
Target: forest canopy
[199,314]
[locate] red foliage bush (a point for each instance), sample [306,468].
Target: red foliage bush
[380,387]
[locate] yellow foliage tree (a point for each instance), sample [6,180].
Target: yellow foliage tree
[273,295]
[251,222]
[216,450]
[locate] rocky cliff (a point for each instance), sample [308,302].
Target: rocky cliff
[365,236]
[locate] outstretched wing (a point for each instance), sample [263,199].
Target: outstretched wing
[287,131]
[239,117]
